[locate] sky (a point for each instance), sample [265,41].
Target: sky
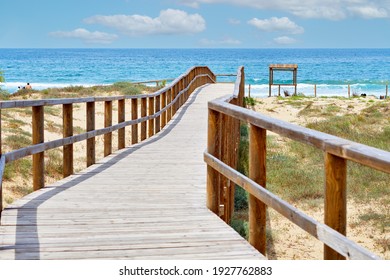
[195,24]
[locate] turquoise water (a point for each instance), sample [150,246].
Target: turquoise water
[366,70]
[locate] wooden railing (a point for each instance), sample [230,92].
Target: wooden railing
[156,111]
[222,173]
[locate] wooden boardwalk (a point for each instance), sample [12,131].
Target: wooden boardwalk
[143,202]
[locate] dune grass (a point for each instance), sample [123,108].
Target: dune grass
[295,171]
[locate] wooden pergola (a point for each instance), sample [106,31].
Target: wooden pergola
[283,67]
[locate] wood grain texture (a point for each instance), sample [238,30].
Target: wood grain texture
[91,151]
[67,124]
[37,138]
[107,123]
[143,202]
[335,199]
[257,172]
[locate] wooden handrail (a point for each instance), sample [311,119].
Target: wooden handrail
[160,106]
[337,152]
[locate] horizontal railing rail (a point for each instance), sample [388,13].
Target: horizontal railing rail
[337,152]
[156,111]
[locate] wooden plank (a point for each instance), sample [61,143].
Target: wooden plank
[121,119]
[107,123]
[322,232]
[335,199]
[2,168]
[134,116]
[158,118]
[213,143]
[143,114]
[151,112]
[91,151]
[164,114]
[38,137]
[257,172]
[67,118]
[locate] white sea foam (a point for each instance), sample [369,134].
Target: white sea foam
[14,86]
[321,90]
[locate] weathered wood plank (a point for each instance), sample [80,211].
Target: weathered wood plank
[37,138]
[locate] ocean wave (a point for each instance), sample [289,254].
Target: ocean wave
[14,86]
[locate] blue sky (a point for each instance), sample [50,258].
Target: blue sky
[195,24]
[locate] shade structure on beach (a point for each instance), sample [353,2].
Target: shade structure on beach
[283,67]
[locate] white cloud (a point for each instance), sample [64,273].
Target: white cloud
[369,12]
[275,24]
[168,22]
[284,40]
[87,36]
[327,9]
[223,42]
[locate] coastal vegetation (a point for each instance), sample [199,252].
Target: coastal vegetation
[295,171]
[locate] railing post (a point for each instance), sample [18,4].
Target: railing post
[169,100]
[67,120]
[1,169]
[151,112]
[158,118]
[213,148]
[257,172]
[335,199]
[134,116]
[163,105]
[121,119]
[107,123]
[91,159]
[143,114]
[37,138]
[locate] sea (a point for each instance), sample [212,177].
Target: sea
[366,71]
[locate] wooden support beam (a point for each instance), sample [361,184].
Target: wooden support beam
[91,158]
[163,105]
[335,199]
[257,172]
[169,100]
[121,118]
[38,137]
[158,118]
[134,116]
[143,114]
[107,123]
[213,147]
[151,112]
[67,125]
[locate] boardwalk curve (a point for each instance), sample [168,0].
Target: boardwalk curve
[147,201]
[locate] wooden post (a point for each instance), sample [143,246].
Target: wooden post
[271,81]
[315,90]
[349,91]
[169,100]
[213,148]
[107,123]
[67,124]
[37,138]
[163,105]
[91,159]
[151,112]
[2,167]
[257,172]
[278,90]
[134,116]
[158,119]
[387,89]
[335,199]
[249,91]
[143,114]
[121,119]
